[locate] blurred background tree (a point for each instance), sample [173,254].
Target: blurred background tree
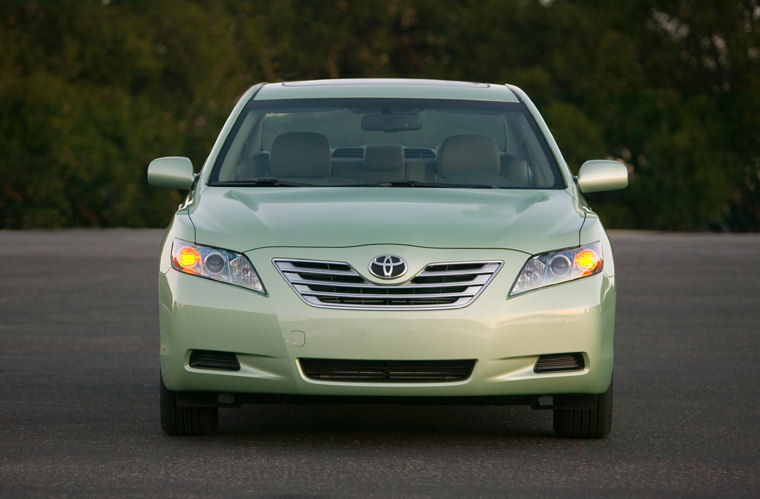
[91,91]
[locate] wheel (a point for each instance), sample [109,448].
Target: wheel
[585,423]
[177,420]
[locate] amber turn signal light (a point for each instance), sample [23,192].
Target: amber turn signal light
[188,258]
[587,261]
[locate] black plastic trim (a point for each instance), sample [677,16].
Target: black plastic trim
[387,371]
[210,359]
[559,362]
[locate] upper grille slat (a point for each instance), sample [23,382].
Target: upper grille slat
[339,285]
[479,280]
[391,296]
[307,270]
[485,269]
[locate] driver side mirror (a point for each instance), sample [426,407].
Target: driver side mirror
[174,171]
[602,175]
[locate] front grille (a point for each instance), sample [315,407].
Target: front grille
[559,362]
[387,371]
[338,285]
[209,359]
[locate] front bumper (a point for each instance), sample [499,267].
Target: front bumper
[269,333]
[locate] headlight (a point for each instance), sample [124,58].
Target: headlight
[559,266]
[215,263]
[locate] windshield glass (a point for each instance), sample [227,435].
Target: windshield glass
[386,142]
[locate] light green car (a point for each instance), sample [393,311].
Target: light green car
[386,240]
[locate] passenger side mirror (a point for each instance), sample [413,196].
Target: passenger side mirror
[174,171]
[602,175]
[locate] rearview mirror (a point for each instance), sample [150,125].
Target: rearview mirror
[602,175]
[387,122]
[174,171]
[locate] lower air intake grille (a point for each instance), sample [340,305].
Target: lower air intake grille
[208,359]
[559,362]
[387,371]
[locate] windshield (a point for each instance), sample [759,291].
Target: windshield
[386,142]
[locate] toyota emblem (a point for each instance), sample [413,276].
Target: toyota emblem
[387,266]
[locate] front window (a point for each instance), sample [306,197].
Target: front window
[386,142]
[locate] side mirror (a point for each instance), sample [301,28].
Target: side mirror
[175,172]
[602,175]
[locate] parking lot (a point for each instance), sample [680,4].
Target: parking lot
[79,392]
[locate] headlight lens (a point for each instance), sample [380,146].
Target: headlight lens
[559,266]
[215,263]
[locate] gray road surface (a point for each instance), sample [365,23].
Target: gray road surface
[79,392]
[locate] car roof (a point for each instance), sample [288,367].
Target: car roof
[386,87]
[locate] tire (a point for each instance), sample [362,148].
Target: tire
[188,421]
[585,423]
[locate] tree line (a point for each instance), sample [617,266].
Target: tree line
[91,91]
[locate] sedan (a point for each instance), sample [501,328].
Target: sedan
[386,240]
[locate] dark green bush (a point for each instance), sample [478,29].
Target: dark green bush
[92,91]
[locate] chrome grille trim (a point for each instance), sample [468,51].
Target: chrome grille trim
[329,284]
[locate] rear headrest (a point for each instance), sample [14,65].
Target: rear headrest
[384,157]
[300,154]
[463,153]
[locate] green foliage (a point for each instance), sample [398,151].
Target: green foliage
[91,91]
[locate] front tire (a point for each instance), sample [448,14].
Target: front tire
[595,422]
[190,421]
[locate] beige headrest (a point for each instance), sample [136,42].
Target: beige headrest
[463,153]
[300,154]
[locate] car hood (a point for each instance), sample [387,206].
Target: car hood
[248,218]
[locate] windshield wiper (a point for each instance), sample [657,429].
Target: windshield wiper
[260,182]
[414,183]
[399,183]
[275,182]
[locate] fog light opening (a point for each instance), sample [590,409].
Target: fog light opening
[559,362]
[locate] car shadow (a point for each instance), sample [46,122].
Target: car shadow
[383,424]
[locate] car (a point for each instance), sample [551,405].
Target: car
[392,240]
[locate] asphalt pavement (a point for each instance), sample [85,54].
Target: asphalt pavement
[79,392]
